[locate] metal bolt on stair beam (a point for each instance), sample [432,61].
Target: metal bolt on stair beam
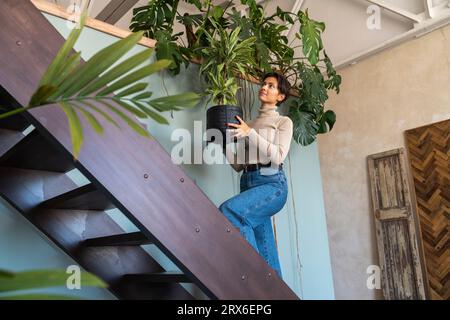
[228,230]
[19,43]
[146,176]
[182,180]
[197,229]
[243,277]
[269,274]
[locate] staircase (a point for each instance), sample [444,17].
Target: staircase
[128,172]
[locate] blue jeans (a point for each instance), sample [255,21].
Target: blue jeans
[250,211]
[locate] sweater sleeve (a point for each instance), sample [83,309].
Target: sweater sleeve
[278,150]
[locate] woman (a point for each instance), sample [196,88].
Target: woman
[263,183]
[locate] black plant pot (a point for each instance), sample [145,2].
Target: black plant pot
[217,117]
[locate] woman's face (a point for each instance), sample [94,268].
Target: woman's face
[269,93]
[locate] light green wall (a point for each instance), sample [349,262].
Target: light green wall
[300,226]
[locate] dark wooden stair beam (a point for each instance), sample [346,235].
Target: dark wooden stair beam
[125,239]
[17,122]
[36,153]
[86,197]
[8,139]
[160,277]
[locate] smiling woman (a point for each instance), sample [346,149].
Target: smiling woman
[263,184]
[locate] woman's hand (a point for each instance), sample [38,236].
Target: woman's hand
[242,130]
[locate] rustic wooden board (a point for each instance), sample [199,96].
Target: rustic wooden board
[396,231]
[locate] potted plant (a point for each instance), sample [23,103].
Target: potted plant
[225,56]
[311,73]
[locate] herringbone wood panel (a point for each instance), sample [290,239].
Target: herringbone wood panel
[429,152]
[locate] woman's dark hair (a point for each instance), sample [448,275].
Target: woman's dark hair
[283,84]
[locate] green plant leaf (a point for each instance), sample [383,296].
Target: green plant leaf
[305,128]
[183,100]
[12,112]
[38,297]
[96,65]
[327,121]
[45,278]
[135,76]
[145,95]
[311,37]
[135,88]
[124,104]
[117,71]
[167,49]
[335,80]
[54,69]
[41,95]
[92,121]
[155,116]
[134,125]
[99,111]
[6,274]
[69,66]
[76,130]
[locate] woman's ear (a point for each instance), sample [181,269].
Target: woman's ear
[281,97]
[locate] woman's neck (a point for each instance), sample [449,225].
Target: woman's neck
[267,110]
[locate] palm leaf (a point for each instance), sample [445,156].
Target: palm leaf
[155,116]
[136,76]
[138,87]
[76,130]
[101,112]
[130,108]
[41,95]
[96,65]
[134,125]
[183,100]
[55,68]
[117,71]
[45,278]
[145,95]
[92,120]
[6,274]
[38,297]
[70,65]
[12,112]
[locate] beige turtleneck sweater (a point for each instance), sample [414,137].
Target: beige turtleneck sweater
[269,140]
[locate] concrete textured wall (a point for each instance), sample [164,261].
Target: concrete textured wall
[396,90]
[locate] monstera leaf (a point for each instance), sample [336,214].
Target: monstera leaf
[311,31]
[305,127]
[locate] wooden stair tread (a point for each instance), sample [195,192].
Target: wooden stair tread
[41,186]
[36,153]
[8,139]
[70,230]
[125,239]
[86,197]
[163,277]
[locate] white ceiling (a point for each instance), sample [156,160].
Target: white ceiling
[347,38]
